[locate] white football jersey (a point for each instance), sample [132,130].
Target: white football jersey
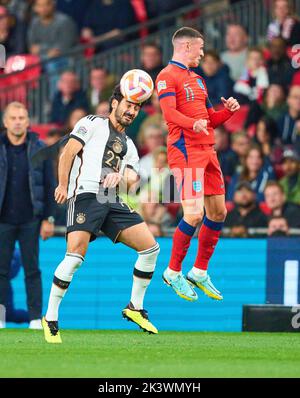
[104,150]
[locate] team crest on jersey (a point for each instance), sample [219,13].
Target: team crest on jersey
[82,131]
[80,219]
[200,82]
[161,85]
[117,147]
[197,186]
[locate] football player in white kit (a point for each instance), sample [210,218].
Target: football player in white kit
[96,159]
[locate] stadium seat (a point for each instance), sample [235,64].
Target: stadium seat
[20,82]
[42,129]
[237,121]
[264,208]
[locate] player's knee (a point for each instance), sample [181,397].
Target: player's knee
[194,219]
[66,269]
[146,262]
[219,215]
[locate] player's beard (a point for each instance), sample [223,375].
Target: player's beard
[121,118]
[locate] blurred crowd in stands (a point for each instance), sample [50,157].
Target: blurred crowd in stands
[258,148]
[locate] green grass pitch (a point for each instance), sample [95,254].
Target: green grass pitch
[100,353]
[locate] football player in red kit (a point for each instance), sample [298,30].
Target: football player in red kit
[191,156]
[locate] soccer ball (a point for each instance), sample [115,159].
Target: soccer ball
[136,86]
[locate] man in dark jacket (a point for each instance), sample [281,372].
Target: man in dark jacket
[26,206]
[246,212]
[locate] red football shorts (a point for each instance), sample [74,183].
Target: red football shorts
[196,170]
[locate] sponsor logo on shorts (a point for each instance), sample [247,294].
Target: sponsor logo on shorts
[197,186]
[80,219]
[161,85]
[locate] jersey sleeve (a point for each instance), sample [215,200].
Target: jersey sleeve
[217,117]
[83,130]
[131,159]
[166,91]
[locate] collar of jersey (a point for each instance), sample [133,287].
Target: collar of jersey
[179,64]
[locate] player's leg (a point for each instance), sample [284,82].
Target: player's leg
[210,230]
[76,248]
[139,238]
[190,183]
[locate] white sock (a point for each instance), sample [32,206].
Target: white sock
[172,274]
[56,295]
[199,273]
[142,274]
[62,278]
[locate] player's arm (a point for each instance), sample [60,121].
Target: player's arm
[66,160]
[80,135]
[217,118]
[166,90]
[130,167]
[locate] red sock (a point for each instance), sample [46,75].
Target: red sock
[208,238]
[181,242]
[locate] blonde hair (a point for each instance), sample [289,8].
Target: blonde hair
[16,105]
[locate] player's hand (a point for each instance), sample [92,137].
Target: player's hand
[112,180]
[61,194]
[201,126]
[231,104]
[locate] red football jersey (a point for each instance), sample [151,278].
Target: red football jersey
[184,99]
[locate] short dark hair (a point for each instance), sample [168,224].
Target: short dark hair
[187,32]
[213,54]
[115,95]
[151,44]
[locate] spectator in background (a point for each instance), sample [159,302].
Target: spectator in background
[74,117]
[284,25]
[273,106]
[246,211]
[291,180]
[50,33]
[235,56]
[277,204]
[12,33]
[158,174]
[68,97]
[254,80]
[256,170]
[279,67]
[265,134]
[216,76]
[101,87]
[154,119]
[151,59]
[75,9]
[278,227]
[287,124]
[227,157]
[53,136]
[16,7]
[103,109]
[23,217]
[110,17]
[152,211]
[153,139]
[240,145]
